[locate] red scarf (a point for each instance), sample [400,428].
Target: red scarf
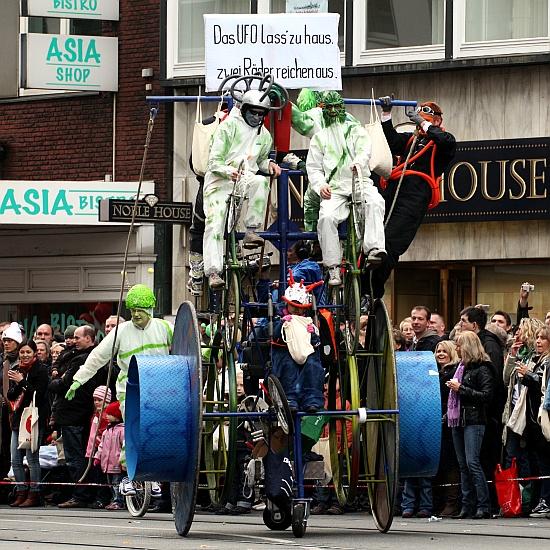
[26,367]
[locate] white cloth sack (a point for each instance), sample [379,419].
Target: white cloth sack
[297,338]
[28,427]
[381,160]
[202,138]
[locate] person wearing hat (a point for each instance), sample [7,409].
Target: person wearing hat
[11,340]
[144,335]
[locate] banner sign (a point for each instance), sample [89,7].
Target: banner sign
[505,179]
[72,9]
[60,202]
[69,62]
[149,210]
[297,52]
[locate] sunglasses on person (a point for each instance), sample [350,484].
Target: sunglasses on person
[426,110]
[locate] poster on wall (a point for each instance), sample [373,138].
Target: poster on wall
[297,52]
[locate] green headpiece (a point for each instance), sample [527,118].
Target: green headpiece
[308,99]
[333,108]
[140,297]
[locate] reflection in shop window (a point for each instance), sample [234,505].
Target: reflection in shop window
[389,23]
[191,24]
[505,19]
[44,25]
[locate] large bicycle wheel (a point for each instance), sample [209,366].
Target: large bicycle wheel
[379,384]
[231,310]
[344,433]
[219,443]
[351,310]
[138,504]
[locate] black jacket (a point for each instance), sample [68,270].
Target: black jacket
[492,346]
[428,342]
[79,410]
[533,381]
[36,380]
[476,392]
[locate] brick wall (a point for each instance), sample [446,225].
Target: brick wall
[70,138]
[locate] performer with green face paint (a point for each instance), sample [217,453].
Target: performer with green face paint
[341,147]
[143,335]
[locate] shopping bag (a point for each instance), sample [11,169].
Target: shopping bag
[28,427]
[381,160]
[508,490]
[202,138]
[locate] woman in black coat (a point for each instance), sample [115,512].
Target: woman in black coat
[28,378]
[471,390]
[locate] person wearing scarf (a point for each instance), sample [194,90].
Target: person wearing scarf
[28,377]
[471,390]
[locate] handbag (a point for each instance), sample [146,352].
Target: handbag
[202,138]
[28,427]
[508,490]
[381,159]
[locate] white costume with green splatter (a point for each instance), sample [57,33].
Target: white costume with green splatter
[233,141]
[155,339]
[332,153]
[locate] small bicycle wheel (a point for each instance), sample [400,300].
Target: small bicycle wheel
[382,430]
[280,404]
[138,504]
[277,520]
[235,202]
[219,443]
[344,433]
[299,521]
[357,204]
[231,310]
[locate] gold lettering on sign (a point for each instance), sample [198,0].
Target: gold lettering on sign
[516,177]
[473,181]
[484,182]
[534,178]
[442,188]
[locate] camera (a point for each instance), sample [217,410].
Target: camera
[527,287]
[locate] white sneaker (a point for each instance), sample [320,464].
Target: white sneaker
[252,239]
[126,487]
[215,281]
[292,160]
[156,491]
[376,255]
[334,276]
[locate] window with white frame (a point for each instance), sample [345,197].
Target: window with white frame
[398,31]
[500,27]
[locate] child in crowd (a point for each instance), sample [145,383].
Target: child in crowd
[97,427]
[108,453]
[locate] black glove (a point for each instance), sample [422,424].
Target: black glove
[416,118]
[386,103]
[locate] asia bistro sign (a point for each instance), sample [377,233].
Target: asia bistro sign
[72,9]
[505,179]
[60,202]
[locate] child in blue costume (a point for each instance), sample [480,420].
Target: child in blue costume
[295,358]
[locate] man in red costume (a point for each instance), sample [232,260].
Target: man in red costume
[413,185]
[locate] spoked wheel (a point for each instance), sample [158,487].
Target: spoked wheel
[280,404]
[138,504]
[344,433]
[357,203]
[352,310]
[231,310]
[379,385]
[219,443]
[235,201]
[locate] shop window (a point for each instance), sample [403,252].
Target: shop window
[500,27]
[384,31]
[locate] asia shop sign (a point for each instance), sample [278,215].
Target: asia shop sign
[72,9]
[69,62]
[296,51]
[60,202]
[504,179]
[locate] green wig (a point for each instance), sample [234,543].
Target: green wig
[140,297]
[308,99]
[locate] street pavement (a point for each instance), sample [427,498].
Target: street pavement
[81,529]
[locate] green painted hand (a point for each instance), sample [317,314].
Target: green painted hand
[72,390]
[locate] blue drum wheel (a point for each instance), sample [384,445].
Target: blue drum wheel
[164,417]
[419,414]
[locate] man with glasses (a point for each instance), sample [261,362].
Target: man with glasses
[413,185]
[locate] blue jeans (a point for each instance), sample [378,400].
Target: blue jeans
[475,492]
[75,440]
[17,464]
[421,486]
[114,480]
